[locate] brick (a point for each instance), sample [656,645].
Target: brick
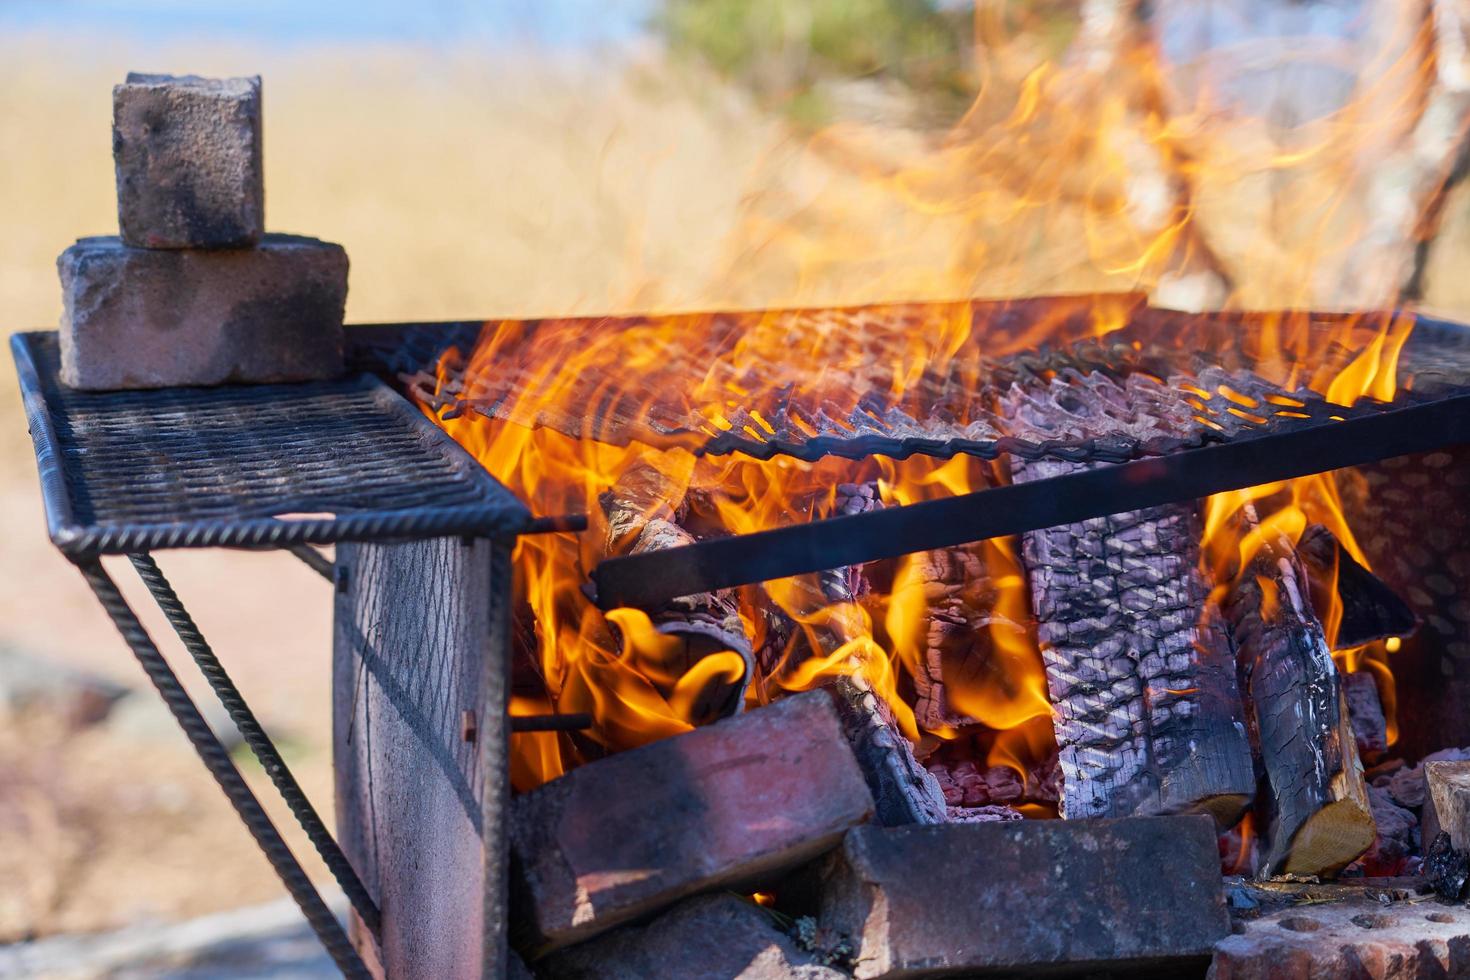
[710,937]
[144,318]
[1023,897]
[1447,803]
[188,157]
[1357,937]
[729,805]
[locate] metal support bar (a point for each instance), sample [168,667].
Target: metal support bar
[260,743]
[649,579]
[494,745]
[577,722]
[217,760]
[314,560]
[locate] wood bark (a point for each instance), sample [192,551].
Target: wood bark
[903,790]
[642,512]
[1370,609]
[1316,804]
[1138,665]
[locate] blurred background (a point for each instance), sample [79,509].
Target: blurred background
[543,157]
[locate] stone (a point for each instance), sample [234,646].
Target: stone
[1408,787]
[1026,896]
[710,937]
[188,157]
[1395,840]
[1357,937]
[732,804]
[1448,797]
[146,318]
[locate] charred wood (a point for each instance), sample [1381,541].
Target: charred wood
[1370,609]
[904,792]
[642,512]
[1316,803]
[1138,665]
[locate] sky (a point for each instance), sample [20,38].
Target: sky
[553,23]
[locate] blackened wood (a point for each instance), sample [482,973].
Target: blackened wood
[1365,711]
[413,650]
[1370,609]
[904,792]
[642,511]
[1316,804]
[1138,665]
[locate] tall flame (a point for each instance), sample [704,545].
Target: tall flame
[1125,163]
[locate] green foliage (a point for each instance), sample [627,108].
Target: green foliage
[782,49]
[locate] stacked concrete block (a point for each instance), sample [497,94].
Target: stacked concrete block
[193,291]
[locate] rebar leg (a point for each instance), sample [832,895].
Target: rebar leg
[217,760]
[494,744]
[255,737]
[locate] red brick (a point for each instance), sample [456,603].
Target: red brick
[1029,896]
[734,803]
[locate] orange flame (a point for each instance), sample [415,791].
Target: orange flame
[1122,164]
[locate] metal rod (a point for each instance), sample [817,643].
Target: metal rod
[649,579]
[314,560]
[260,743]
[217,760]
[494,766]
[550,723]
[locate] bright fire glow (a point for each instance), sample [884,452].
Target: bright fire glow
[1100,169]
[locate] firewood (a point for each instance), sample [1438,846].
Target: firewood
[903,790]
[1316,803]
[1138,665]
[642,512]
[1370,609]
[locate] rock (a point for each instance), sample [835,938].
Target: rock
[711,937]
[188,157]
[1031,895]
[1407,786]
[142,318]
[35,684]
[729,805]
[1396,840]
[1365,712]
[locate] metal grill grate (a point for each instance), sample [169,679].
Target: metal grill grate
[1185,374]
[272,465]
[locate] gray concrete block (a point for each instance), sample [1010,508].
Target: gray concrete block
[147,318]
[188,158]
[1026,897]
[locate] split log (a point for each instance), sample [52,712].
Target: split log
[1316,803]
[1138,665]
[1370,609]
[642,515]
[904,792]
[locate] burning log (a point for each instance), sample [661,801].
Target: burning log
[1139,669]
[1320,819]
[1365,711]
[1370,609]
[904,792]
[642,512]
